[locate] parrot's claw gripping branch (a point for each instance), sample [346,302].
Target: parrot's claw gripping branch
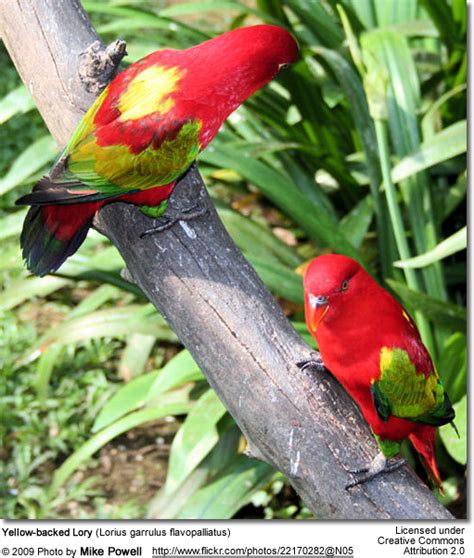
[312,365]
[199,209]
[182,206]
[379,465]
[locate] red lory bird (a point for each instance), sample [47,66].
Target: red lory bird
[143,133]
[371,345]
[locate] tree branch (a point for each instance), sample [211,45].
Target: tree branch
[304,425]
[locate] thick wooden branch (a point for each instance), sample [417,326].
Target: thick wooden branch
[304,425]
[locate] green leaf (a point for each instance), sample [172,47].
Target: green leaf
[365,11]
[352,86]
[430,120]
[128,398]
[278,188]
[443,313]
[11,258]
[452,366]
[167,505]
[135,355]
[244,231]
[22,290]
[34,158]
[394,11]
[95,300]
[181,369]
[456,195]
[195,439]
[354,90]
[351,38]
[415,28]
[11,225]
[280,280]
[46,364]
[392,54]
[451,245]
[113,322]
[356,223]
[445,145]
[229,491]
[457,447]
[318,21]
[187,8]
[442,17]
[106,435]
[140,18]
[17,101]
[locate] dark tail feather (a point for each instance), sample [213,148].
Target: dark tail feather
[53,233]
[47,192]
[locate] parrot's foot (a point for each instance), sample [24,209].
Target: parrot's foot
[314,364]
[166,222]
[154,211]
[379,465]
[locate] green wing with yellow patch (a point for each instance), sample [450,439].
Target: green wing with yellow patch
[134,144]
[404,392]
[114,170]
[137,143]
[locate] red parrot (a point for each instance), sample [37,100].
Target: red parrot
[143,132]
[371,345]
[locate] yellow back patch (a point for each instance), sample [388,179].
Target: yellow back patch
[149,92]
[386,357]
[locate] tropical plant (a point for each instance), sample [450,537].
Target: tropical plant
[359,149]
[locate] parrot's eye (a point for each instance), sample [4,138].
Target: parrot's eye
[345,285]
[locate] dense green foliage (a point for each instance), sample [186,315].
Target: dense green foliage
[359,149]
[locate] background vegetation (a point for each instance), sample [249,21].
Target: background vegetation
[104,414]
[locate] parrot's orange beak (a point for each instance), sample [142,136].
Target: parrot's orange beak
[317,308]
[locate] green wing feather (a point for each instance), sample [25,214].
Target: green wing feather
[113,169]
[404,392]
[86,171]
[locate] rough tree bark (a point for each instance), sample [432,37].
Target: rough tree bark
[304,425]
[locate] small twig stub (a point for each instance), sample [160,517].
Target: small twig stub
[98,64]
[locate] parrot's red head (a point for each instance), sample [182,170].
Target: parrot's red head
[254,55]
[269,44]
[228,69]
[327,281]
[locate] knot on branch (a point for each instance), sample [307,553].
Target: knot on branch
[98,64]
[127,276]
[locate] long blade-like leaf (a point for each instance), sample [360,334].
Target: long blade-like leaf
[455,243]
[445,145]
[443,313]
[35,157]
[195,439]
[104,436]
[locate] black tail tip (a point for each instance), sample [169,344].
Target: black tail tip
[44,251]
[455,428]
